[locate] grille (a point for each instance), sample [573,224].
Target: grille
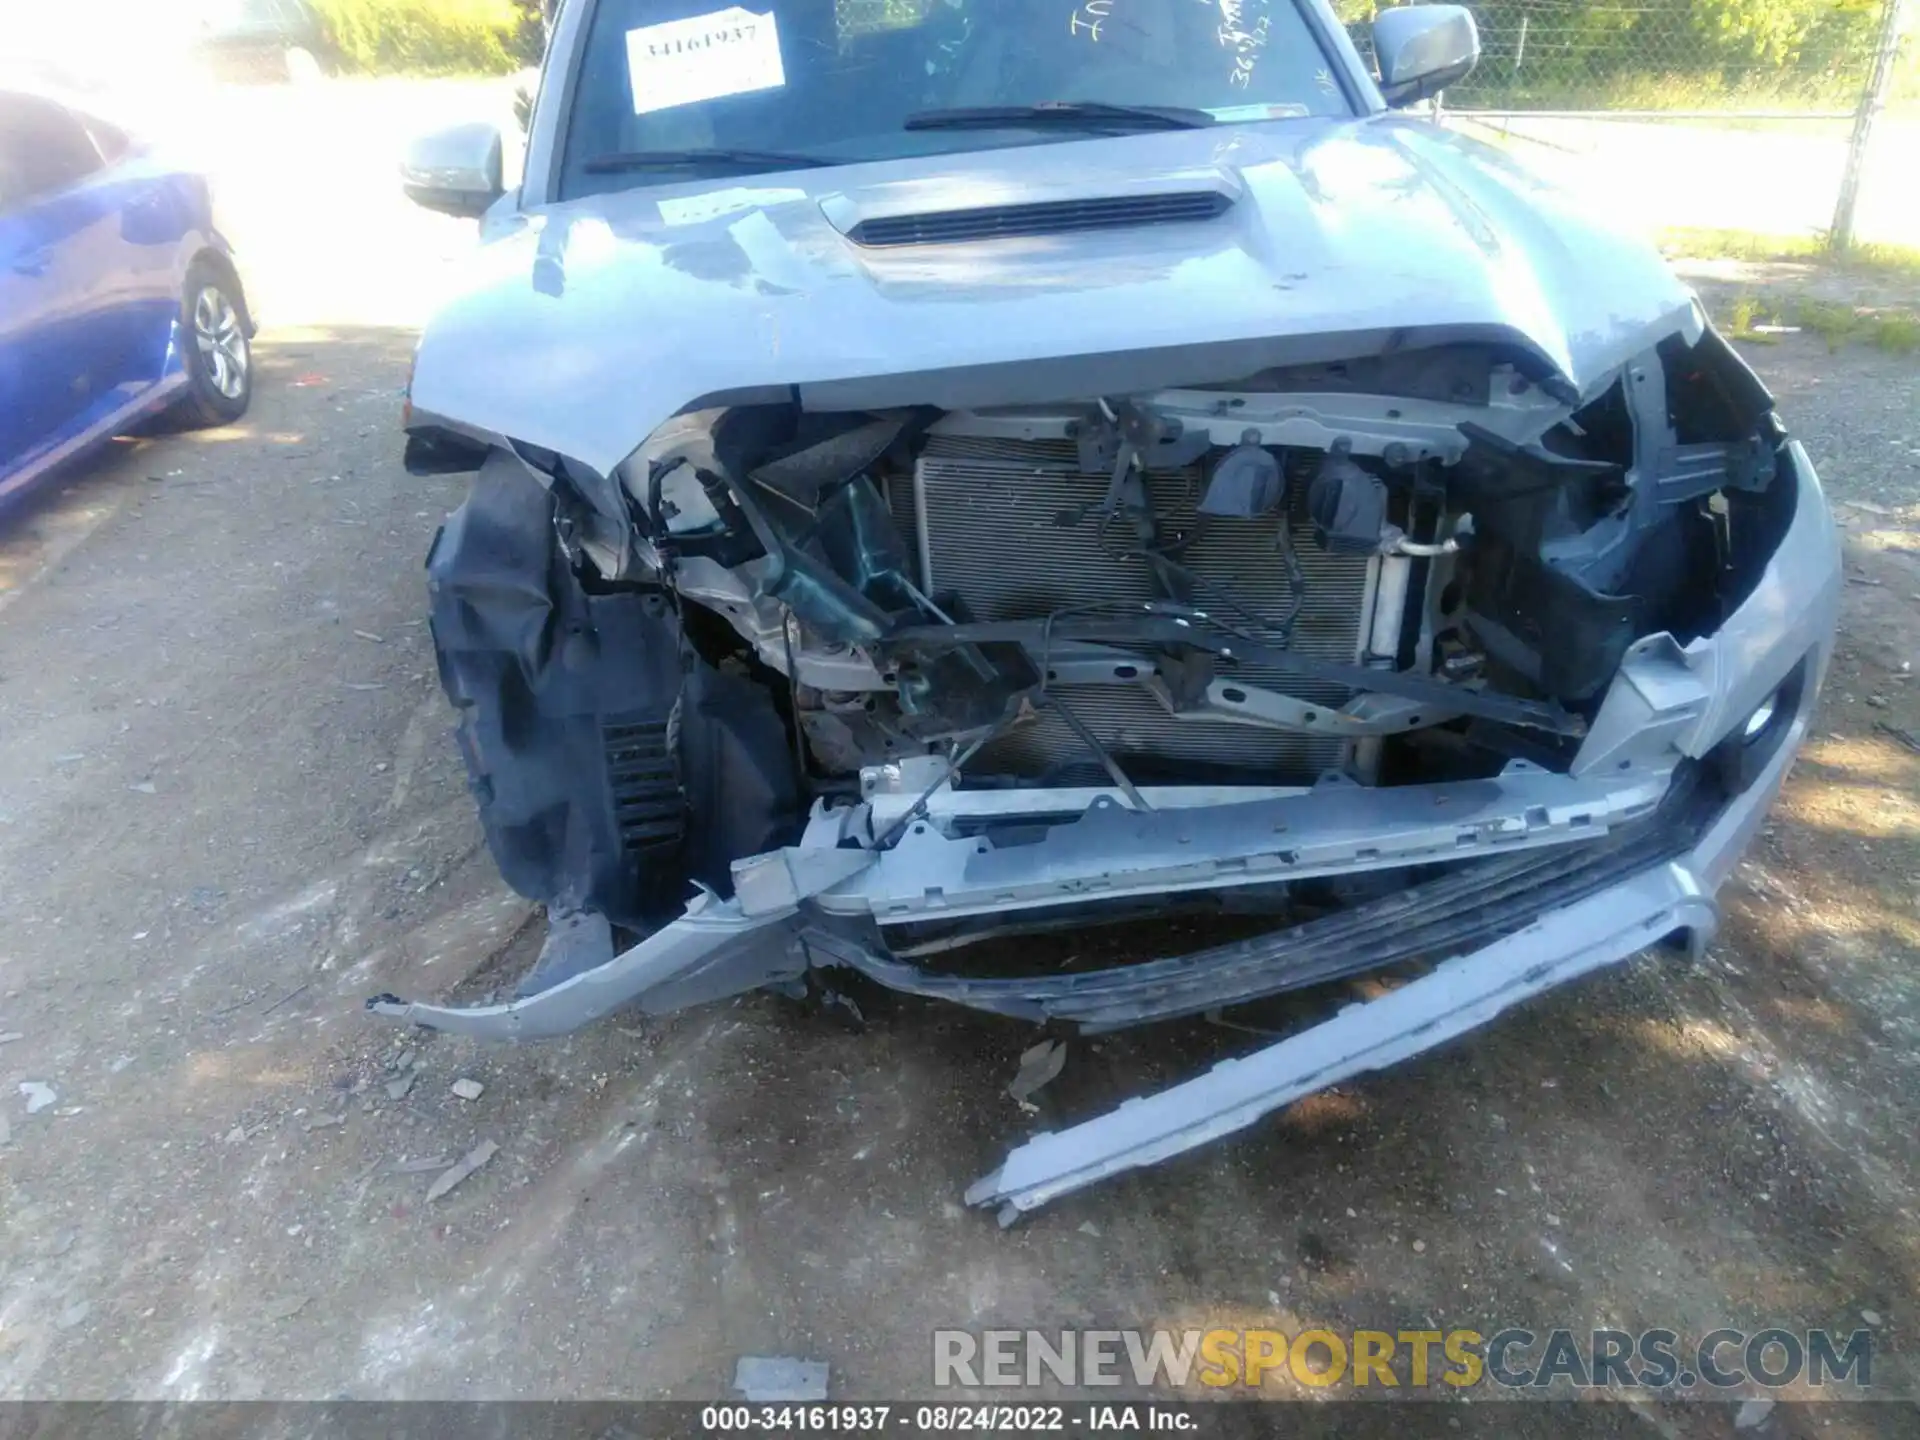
[994,534]
[1058,217]
[644,785]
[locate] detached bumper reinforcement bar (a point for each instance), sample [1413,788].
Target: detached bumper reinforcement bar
[1458,996]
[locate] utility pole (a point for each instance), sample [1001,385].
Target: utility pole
[1872,101]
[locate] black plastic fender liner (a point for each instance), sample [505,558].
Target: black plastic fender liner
[737,767]
[539,672]
[587,723]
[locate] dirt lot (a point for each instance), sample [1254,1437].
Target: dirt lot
[230,810]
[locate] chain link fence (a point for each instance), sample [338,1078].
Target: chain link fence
[1786,117]
[1667,54]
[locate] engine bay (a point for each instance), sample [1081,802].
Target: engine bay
[1403,569]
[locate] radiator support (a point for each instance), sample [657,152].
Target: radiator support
[1009,525]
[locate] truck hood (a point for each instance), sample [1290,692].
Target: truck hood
[585,325]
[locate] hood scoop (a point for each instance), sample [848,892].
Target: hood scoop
[945,213]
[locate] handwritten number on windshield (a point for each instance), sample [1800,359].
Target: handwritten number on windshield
[1246,40]
[1242,35]
[1088,18]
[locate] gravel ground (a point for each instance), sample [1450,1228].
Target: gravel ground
[229,810]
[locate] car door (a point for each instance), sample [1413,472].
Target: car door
[35,380]
[62,353]
[138,298]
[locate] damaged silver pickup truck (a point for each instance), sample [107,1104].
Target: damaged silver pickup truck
[953,469]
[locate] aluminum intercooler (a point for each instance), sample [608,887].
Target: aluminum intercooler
[995,520]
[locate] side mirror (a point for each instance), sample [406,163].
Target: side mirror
[1422,49]
[456,171]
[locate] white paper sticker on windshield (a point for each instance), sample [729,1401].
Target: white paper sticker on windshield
[730,52]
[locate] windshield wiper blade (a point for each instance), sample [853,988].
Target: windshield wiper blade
[1067,114]
[712,155]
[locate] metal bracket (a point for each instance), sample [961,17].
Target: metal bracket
[1233,702]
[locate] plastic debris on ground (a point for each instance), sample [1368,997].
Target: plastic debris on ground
[777,1378]
[1039,1066]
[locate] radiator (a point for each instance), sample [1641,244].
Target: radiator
[986,517]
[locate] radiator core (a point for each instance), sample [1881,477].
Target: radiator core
[991,517]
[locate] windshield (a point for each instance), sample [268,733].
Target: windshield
[838,80]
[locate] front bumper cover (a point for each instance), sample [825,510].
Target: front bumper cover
[1633,883]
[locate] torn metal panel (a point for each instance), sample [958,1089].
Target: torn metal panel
[1792,612]
[712,951]
[775,883]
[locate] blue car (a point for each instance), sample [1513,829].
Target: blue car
[118,298]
